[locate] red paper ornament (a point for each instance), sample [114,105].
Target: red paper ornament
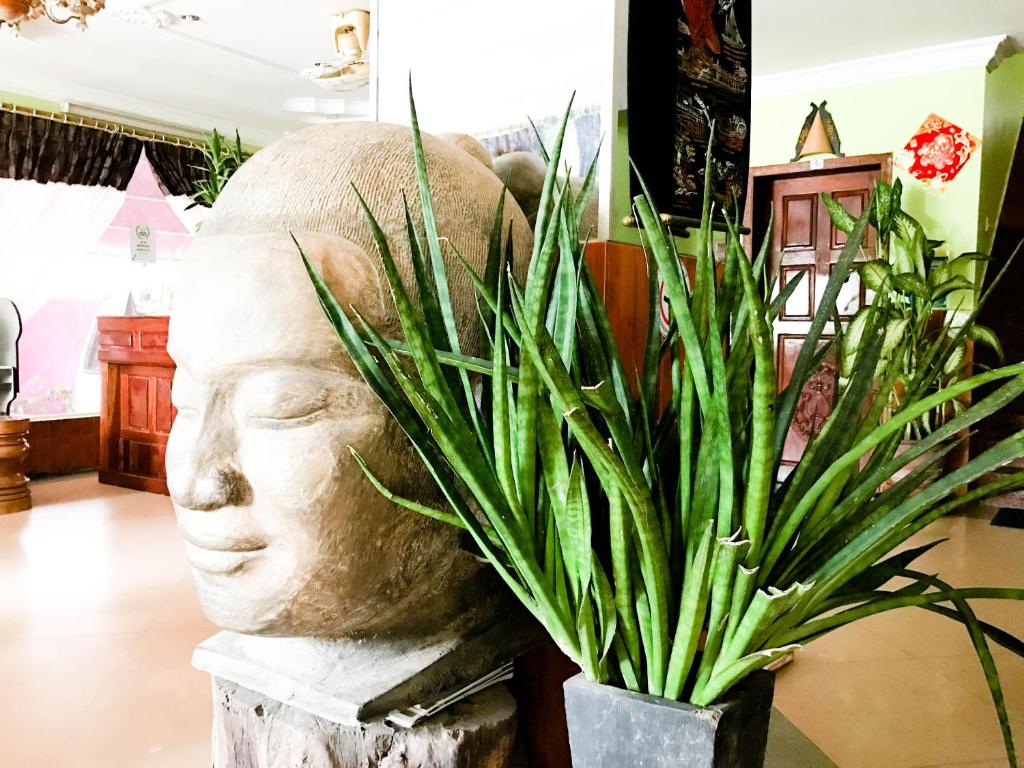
[937,153]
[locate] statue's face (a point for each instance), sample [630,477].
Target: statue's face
[283,532]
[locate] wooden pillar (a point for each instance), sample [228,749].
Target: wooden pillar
[14,493]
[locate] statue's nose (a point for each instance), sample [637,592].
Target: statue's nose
[211,487]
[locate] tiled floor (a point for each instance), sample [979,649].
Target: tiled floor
[98,620]
[905,689]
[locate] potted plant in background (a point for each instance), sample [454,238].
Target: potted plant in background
[918,284]
[221,162]
[651,542]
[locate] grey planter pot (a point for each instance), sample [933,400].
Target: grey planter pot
[614,728]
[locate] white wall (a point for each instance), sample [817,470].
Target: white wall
[480,64]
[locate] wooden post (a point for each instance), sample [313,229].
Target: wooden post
[14,493]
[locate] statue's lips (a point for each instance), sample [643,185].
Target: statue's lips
[220,555]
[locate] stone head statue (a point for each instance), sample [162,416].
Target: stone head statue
[284,533]
[524,172]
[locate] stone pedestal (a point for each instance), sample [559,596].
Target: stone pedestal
[251,730]
[281,702]
[14,492]
[351,682]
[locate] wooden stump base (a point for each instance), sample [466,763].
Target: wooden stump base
[14,493]
[251,730]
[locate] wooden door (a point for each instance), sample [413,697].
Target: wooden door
[805,242]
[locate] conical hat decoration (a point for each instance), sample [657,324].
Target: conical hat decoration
[818,135]
[817,140]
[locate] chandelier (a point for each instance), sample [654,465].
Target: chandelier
[14,12]
[350,34]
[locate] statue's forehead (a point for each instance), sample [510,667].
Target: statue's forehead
[247,299]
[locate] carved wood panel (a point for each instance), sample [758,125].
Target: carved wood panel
[815,402]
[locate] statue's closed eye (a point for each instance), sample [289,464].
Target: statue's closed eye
[275,397]
[287,412]
[279,400]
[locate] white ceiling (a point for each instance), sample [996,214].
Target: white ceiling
[798,34]
[238,66]
[235,67]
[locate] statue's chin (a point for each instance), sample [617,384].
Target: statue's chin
[242,602]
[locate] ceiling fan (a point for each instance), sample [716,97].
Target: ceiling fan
[350,31]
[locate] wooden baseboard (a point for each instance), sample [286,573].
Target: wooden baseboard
[135,482]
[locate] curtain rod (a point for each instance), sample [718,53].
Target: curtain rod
[102,125]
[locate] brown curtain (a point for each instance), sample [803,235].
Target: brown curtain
[37,149]
[176,168]
[43,150]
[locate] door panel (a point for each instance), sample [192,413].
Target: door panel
[799,220]
[146,418]
[800,305]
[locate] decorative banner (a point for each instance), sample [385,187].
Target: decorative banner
[937,153]
[689,65]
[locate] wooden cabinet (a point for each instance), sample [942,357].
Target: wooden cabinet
[136,413]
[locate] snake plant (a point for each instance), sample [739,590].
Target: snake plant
[644,528]
[918,284]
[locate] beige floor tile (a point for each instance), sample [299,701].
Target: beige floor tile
[919,633]
[887,714]
[31,736]
[62,673]
[98,620]
[165,701]
[107,564]
[182,611]
[850,643]
[150,728]
[966,672]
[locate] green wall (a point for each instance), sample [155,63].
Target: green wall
[880,118]
[28,102]
[1004,111]
[622,204]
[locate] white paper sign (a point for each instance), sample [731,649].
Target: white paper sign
[143,242]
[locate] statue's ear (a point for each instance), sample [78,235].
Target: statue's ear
[524,173]
[354,278]
[470,146]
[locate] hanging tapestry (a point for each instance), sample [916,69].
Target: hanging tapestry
[689,67]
